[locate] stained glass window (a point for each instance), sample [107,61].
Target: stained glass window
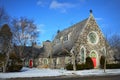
[93,37]
[82,55]
[93,54]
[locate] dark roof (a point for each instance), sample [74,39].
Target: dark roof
[75,31]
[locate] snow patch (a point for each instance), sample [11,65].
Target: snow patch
[35,72]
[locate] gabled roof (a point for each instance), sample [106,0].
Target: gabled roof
[76,27]
[75,31]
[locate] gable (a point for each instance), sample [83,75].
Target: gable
[92,27]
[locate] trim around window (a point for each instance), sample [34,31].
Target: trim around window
[82,54]
[92,37]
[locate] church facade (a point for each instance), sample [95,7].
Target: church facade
[83,39]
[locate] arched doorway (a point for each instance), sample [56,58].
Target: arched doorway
[31,63]
[93,55]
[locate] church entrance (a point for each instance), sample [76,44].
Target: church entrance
[93,56]
[31,63]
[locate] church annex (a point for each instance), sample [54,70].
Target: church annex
[83,39]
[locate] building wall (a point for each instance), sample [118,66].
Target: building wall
[83,41]
[89,43]
[58,62]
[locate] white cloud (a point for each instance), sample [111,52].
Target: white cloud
[40,28]
[61,6]
[41,3]
[98,19]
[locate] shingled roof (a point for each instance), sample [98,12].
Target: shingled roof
[75,31]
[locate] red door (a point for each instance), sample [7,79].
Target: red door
[93,56]
[30,63]
[94,61]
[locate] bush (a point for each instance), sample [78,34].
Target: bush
[69,67]
[15,64]
[89,63]
[102,61]
[14,68]
[113,66]
[81,66]
[2,59]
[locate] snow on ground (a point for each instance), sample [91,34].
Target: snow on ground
[34,72]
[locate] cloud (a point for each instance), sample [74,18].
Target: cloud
[40,28]
[41,3]
[61,6]
[98,19]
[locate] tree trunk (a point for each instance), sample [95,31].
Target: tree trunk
[105,65]
[6,62]
[73,60]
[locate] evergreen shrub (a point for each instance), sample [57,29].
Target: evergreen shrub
[102,61]
[15,64]
[87,65]
[69,66]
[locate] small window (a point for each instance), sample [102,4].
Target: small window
[69,35]
[57,41]
[45,61]
[65,38]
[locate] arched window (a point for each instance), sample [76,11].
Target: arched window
[93,54]
[58,60]
[83,55]
[104,51]
[45,61]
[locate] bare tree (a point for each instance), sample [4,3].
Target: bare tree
[108,51]
[72,53]
[24,32]
[114,41]
[105,55]
[6,35]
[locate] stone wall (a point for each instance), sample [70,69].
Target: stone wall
[98,47]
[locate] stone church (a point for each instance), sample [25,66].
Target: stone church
[83,39]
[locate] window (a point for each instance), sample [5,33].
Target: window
[58,61]
[57,41]
[45,61]
[93,54]
[92,37]
[69,35]
[83,55]
[104,51]
[65,38]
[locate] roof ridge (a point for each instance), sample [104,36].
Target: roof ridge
[74,25]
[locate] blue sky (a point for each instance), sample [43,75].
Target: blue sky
[51,15]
